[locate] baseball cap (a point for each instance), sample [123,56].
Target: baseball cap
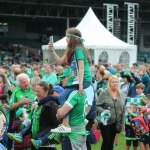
[19,112]
[15,83]
[58,89]
[66,73]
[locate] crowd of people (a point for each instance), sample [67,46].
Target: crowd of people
[52,104]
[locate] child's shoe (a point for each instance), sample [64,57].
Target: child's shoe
[61,129]
[36,143]
[15,136]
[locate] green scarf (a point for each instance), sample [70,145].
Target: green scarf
[35,124]
[74,133]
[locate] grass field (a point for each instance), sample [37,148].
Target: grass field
[121,144]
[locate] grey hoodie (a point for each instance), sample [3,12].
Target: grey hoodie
[105,100]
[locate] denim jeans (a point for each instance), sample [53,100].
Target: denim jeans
[45,138]
[26,130]
[64,96]
[66,143]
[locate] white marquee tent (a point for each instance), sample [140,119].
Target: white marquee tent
[103,46]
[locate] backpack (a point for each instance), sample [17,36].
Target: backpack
[139,126]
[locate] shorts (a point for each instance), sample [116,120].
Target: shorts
[144,139]
[134,142]
[90,94]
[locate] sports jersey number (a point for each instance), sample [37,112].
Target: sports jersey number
[85,107]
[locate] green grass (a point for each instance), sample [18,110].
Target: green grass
[121,144]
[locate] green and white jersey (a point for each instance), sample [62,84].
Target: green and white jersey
[144,98]
[18,94]
[29,72]
[79,105]
[80,55]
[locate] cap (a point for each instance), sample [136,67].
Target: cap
[126,73]
[19,112]
[58,89]
[66,73]
[15,83]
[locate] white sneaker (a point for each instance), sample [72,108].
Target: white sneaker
[61,129]
[86,122]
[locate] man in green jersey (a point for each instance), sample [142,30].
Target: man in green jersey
[23,94]
[77,106]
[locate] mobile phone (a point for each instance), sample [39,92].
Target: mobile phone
[51,39]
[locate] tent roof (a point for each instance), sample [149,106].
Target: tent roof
[95,35]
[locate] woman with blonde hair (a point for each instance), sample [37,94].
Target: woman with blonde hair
[111,98]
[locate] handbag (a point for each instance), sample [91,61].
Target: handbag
[92,137]
[118,124]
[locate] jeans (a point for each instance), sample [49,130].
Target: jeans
[108,133]
[64,96]
[45,138]
[26,130]
[88,126]
[66,143]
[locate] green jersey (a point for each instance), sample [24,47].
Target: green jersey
[74,74]
[29,72]
[144,98]
[52,78]
[18,94]
[79,105]
[80,55]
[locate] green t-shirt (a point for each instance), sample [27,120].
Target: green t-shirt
[141,102]
[81,55]
[52,78]
[18,94]
[79,105]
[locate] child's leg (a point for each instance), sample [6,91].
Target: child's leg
[65,122]
[44,139]
[116,139]
[146,146]
[135,144]
[128,144]
[141,146]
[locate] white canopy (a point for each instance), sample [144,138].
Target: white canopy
[98,38]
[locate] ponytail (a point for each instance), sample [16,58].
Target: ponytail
[51,89]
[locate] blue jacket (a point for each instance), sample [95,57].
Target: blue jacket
[132,86]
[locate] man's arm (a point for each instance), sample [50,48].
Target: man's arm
[61,112]
[20,103]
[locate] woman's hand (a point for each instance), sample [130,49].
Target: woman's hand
[81,90]
[50,45]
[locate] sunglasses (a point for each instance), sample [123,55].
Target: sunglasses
[106,79]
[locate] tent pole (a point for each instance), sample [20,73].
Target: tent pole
[68,23]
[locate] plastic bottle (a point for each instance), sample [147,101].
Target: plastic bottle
[109,109]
